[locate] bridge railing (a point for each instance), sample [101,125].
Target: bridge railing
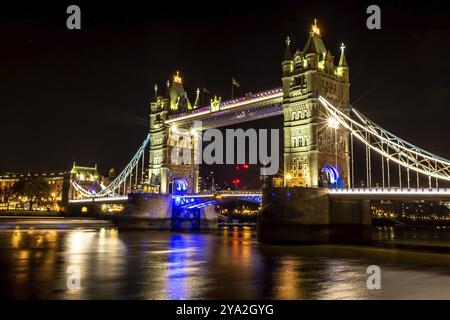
[220,193]
[232,103]
[430,191]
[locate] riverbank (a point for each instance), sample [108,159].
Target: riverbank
[29,213]
[39,222]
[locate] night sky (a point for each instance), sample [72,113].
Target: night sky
[84,95]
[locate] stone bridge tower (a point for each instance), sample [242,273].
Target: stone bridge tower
[172,168]
[316,149]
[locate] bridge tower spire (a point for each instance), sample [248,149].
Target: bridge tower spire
[316,154]
[164,168]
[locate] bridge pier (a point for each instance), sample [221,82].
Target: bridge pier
[309,215]
[149,211]
[146,211]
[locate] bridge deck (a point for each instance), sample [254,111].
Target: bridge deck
[350,193]
[392,193]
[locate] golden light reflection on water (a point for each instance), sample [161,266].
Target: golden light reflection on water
[287,278]
[96,253]
[237,255]
[231,264]
[16,237]
[342,280]
[33,255]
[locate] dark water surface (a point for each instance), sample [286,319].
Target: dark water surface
[229,264]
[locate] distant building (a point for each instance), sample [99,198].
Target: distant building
[61,189]
[59,186]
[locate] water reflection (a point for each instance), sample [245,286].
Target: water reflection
[186,266]
[288,280]
[343,279]
[229,264]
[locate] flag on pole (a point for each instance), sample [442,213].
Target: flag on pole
[235,83]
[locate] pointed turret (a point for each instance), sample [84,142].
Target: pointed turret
[342,60]
[155,88]
[288,63]
[314,43]
[197,99]
[178,97]
[167,95]
[342,69]
[287,52]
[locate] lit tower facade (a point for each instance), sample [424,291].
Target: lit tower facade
[172,168]
[316,149]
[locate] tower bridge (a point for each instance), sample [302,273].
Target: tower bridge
[320,129]
[252,107]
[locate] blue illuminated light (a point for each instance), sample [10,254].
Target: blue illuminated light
[180,186]
[332,174]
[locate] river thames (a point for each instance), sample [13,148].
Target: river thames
[227,264]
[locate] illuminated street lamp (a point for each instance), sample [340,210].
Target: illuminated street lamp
[333,123]
[288,178]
